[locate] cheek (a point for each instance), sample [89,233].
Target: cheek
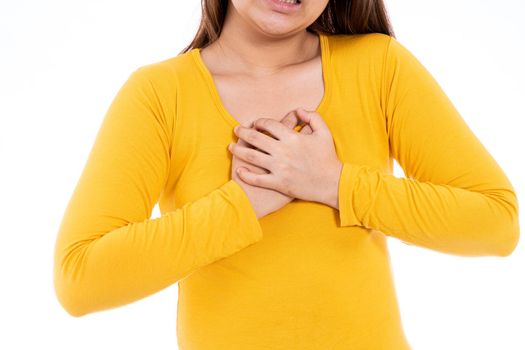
[317,7]
[245,8]
[253,11]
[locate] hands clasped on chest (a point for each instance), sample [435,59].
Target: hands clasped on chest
[274,164]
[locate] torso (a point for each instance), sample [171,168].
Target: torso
[273,96]
[310,283]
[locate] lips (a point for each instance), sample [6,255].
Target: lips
[285,7]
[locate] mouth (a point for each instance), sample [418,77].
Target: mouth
[286,5]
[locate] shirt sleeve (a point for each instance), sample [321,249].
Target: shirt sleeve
[108,251]
[455,198]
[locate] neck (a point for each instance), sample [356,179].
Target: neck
[254,53]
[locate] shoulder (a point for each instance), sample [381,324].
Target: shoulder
[361,44]
[358,56]
[359,53]
[160,81]
[165,73]
[157,85]
[372,49]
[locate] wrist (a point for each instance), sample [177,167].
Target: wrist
[331,190]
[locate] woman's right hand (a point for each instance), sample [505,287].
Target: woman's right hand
[264,200]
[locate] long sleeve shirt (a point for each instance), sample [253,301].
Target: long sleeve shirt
[307,276]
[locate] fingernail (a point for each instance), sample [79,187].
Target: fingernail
[236,129]
[230,147]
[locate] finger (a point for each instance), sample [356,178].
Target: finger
[257,138]
[313,119]
[252,156]
[241,141]
[307,130]
[290,120]
[274,127]
[259,180]
[254,169]
[244,143]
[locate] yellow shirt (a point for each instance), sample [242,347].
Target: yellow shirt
[307,276]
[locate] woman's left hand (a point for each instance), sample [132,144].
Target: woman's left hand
[300,165]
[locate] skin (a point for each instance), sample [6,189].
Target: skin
[264,200]
[301,165]
[279,163]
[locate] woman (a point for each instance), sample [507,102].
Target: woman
[291,252]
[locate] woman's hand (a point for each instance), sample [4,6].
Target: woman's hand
[300,165]
[264,200]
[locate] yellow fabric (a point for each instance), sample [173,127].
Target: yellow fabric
[307,276]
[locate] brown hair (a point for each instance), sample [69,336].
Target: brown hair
[339,17]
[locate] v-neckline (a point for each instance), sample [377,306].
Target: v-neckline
[326,72]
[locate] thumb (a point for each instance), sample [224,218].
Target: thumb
[241,169]
[245,175]
[290,120]
[312,118]
[306,130]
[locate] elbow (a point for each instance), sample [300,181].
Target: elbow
[68,297]
[510,238]
[70,292]
[509,234]
[72,309]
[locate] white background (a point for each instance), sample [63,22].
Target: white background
[62,62]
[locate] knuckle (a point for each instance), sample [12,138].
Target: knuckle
[265,122]
[250,156]
[259,122]
[250,136]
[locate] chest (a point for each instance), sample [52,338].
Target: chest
[271,96]
[200,161]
